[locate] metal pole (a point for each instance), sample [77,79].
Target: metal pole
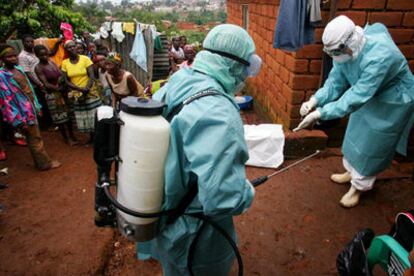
[294,164]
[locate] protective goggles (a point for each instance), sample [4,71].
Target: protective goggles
[341,48]
[252,66]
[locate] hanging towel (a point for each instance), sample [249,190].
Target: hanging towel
[315,12]
[129,27]
[293,29]
[153,31]
[105,29]
[96,35]
[67,30]
[107,26]
[117,32]
[139,50]
[157,43]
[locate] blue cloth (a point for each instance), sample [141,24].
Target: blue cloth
[380,101]
[207,139]
[293,29]
[139,49]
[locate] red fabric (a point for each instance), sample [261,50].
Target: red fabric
[67,30]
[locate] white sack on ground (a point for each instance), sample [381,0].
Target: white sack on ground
[265,144]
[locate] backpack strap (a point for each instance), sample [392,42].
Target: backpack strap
[176,109]
[186,200]
[192,183]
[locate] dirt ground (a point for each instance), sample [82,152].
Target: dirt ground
[295,226]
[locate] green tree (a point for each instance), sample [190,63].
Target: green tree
[38,17]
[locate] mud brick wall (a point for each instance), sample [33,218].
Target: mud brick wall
[289,78]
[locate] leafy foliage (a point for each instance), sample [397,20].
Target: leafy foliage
[38,17]
[96,11]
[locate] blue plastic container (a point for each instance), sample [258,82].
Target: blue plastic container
[248,104]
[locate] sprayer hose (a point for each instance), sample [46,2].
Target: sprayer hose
[168,212]
[129,211]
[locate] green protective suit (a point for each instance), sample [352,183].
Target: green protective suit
[207,139]
[377,89]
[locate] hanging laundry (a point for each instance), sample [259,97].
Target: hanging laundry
[153,31]
[139,50]
[95,36]
[117,32]
[314,7]
[105,29]
[158,43]
[293,29]
[129,27]
[67,30]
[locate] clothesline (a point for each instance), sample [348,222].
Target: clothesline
[120,27]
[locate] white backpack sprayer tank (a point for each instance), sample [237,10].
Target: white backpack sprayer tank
[143,148]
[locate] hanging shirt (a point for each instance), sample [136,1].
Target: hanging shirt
[293,30]
[77,73]
[117,32]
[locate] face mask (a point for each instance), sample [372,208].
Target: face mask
[255,64]
[341,58]
[252,66]
[239,87]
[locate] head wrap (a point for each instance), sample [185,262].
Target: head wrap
[67,42]
[67,30]
[342,30]
[5,51]
[231,39]
[114,57]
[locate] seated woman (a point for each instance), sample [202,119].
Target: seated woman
[50,75]
[121,82]
[79,76]
[19,105]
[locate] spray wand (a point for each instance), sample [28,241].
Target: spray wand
[262,179]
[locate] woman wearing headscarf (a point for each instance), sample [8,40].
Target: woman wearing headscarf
[121,82]
[79,76]
[19,106]
[371,82]
[51,76]
[207,149]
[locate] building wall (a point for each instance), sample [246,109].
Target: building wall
[289,78]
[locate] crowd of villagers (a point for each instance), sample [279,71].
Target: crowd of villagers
[39,91]
[35,90]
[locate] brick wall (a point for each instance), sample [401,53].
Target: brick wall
[287,78]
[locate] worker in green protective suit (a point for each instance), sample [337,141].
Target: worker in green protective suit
[207,141]
[372,82]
